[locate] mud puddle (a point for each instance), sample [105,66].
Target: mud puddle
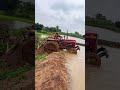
[76,67]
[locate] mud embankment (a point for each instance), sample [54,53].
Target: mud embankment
[109,43]
[52,74]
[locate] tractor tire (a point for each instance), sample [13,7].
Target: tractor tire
[92,58]
[51,46]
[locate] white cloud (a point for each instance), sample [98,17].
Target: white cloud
[67,14]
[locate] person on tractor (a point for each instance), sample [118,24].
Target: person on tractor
[57,36]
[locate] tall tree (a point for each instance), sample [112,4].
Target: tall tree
[8,5]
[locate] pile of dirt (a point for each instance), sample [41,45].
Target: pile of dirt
[39,51]
[20,54]
[52,74]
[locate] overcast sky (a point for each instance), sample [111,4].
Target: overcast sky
[109,8]
[67,14]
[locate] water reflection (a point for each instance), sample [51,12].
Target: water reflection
[15,24]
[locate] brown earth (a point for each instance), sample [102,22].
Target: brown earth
[51,74]
[19,84]
[39,51]
[19,55]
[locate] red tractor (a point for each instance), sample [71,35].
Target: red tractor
[93,53]
[57,42]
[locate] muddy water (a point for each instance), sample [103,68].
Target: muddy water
[15,24]
[104,33]
[76,68]
[106,77]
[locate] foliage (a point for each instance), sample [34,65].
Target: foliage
[117,24]
[72,35]
[8,5]
[17,8]
[15,72]
[107,24]
[47,31]
[41,57]
[6,17]
[3,47]
[40,27]
[100,16]
[25,10]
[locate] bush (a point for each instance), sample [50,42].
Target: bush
[3,47]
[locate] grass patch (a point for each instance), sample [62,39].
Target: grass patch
[41,57]
[3,47]
[42,33]
[5,17]
[19,79]
[14,73]
[2,63]
[62,33]
[106,24]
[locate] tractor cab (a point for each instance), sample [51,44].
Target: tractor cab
[91,42]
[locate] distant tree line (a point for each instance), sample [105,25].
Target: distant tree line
[18,8]
[43,29]
[40,27]
[101,21]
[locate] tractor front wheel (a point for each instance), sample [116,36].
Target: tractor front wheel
[51,46]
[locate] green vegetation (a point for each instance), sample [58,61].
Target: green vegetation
[17,8]
[41,57]
[3,47]
[6,17]
[19,79]
[43,33]
[72,35]
[102,22]
[48,31]
[2,63]
[14,73]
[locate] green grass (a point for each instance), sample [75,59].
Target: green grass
[3,47]
[2,63]
[106,24]
[14,73]
[5,17]
[62,33]
[72,35]
[43,33]
[41,57]
[19,79]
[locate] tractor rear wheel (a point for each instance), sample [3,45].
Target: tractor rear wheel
[92,58]
[51,46]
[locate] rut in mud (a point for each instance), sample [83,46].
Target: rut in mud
[52,74]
